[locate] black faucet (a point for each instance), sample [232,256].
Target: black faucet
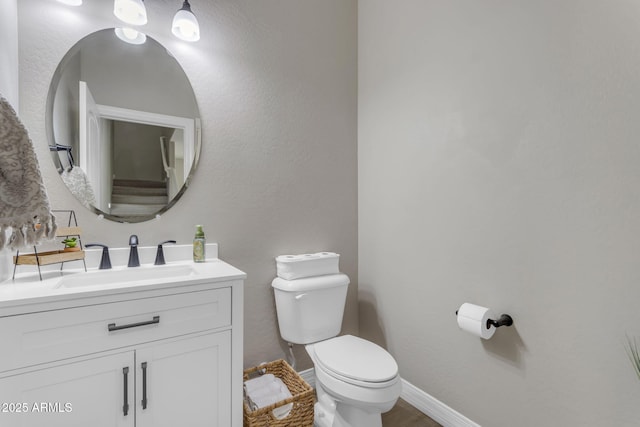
[160,253]
[133,252]
[105,261]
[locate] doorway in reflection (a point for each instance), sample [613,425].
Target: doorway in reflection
[123,126]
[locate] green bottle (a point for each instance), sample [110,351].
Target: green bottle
[198,245]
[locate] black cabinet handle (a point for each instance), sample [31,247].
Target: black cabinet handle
[125,406]
[144,385]
[112,326]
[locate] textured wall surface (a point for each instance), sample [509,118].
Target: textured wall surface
[499,164]
[8,80]
[276,84]
[9,51]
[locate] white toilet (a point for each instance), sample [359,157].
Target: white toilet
[356,380]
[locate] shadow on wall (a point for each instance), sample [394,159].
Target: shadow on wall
[507,345]
[368,315]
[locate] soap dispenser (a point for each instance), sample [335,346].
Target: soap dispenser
[199,245]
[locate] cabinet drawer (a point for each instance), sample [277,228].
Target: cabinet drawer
[54,335]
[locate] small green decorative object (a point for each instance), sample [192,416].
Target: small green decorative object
[70,242]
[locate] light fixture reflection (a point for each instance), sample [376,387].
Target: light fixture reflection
[185,25]
[71,2]
[130,11]
[130,35]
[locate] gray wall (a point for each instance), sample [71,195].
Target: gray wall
[276,85]
[136,151]
[499,164]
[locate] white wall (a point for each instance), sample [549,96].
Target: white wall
[499,163]
[9,51]
[8,81]
[276,87]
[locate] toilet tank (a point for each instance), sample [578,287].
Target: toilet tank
[310,309]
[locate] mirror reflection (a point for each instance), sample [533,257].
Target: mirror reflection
[123,126]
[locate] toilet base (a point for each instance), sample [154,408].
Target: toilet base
[331,413]
[321,418]
[345,416]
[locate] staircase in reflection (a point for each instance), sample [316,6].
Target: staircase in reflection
[137,197]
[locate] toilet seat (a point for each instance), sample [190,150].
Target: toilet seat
[356,361]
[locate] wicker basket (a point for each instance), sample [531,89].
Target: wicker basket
[301,415]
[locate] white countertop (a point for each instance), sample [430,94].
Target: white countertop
[29,294]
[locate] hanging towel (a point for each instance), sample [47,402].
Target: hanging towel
[25,215]
[78,183]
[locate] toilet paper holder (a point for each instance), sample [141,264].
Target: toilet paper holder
[504,320]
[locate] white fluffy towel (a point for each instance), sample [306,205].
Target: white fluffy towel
[25,215]
[266,390]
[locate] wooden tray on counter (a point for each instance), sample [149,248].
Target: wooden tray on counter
[46,258]
[39,259]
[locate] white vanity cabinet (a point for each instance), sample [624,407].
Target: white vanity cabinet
[150,356]
[79,393]
[188,382]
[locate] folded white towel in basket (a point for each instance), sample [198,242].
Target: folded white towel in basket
[266,390]
[271,392]
[258,382]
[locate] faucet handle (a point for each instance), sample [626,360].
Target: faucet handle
[160,253]
[105,261]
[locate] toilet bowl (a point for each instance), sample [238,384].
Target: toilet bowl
[356,380]
[353,391]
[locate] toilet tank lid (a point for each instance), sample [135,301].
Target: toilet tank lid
[311,283]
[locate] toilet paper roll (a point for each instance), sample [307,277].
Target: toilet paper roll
[473,319]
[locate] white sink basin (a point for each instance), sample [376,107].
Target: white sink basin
[127,275]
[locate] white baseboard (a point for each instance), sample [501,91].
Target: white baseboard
[309,376]
[420,400]
[434,408]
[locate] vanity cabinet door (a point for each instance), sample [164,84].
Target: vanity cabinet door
[185,382]
[90,392]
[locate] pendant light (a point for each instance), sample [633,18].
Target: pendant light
[130,11]
[133,12]
[130,35]
[185,25]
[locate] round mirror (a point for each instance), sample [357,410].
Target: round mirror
[123,126]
